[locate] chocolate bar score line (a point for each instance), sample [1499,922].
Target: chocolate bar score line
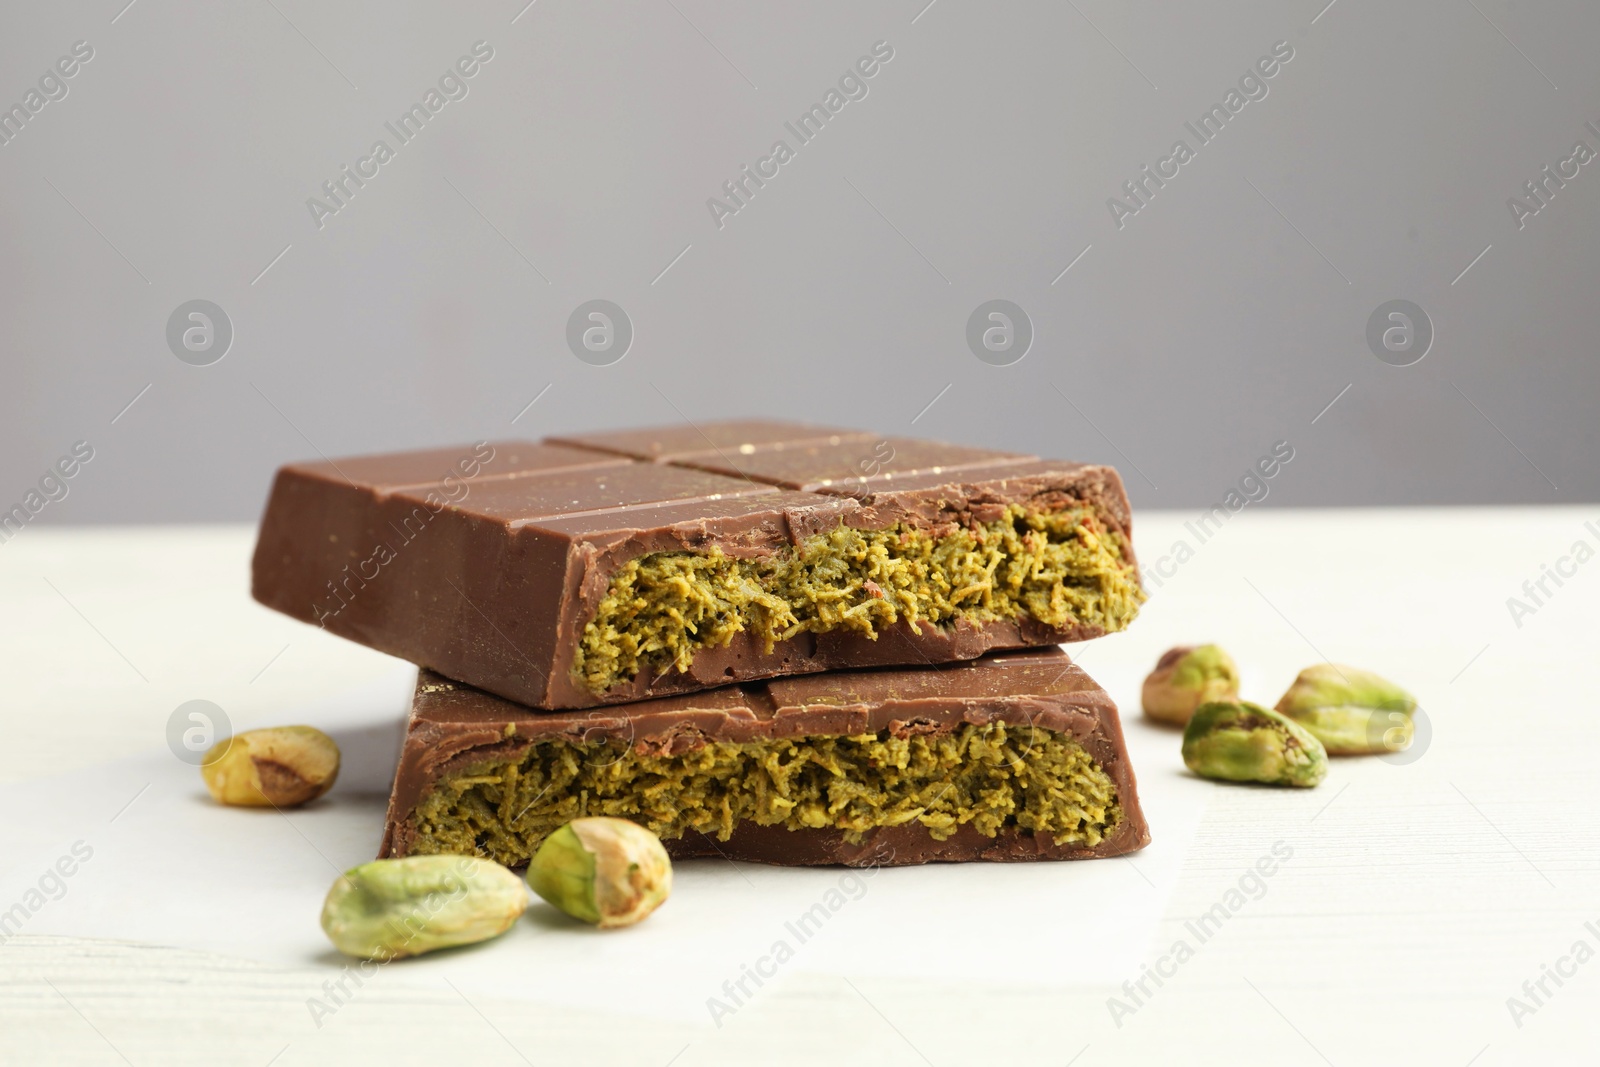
[1015,756]
[612,567]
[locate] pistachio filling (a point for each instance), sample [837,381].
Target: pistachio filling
[994,777]
[1060,568]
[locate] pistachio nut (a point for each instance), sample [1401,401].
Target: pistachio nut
[610,872]
[389,909]
[1186,677]
[1351,711]
[282,767]
[1243,742]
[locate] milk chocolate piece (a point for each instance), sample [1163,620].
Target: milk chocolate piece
[493,563]
[481,774]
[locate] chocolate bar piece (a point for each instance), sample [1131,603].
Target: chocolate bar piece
[1015,756]
[606,568]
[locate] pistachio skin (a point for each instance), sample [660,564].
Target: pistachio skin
[562,872]
[1351,711]
[1186,677]
[1244,742]
[276,767]
[604,871]
[391,909]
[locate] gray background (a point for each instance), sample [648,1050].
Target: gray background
[1223,317]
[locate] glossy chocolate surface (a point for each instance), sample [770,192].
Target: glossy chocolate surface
[485,562]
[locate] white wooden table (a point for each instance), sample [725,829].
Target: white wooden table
[1417,899]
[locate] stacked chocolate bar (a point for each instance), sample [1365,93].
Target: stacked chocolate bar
[763,640]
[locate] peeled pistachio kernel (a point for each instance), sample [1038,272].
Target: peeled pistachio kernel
[610,872]
[1243,742]
[1186,677]
[389,909]
[1351,711]
[281,767]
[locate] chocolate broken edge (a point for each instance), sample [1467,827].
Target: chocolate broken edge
[442,740]
[511,624]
